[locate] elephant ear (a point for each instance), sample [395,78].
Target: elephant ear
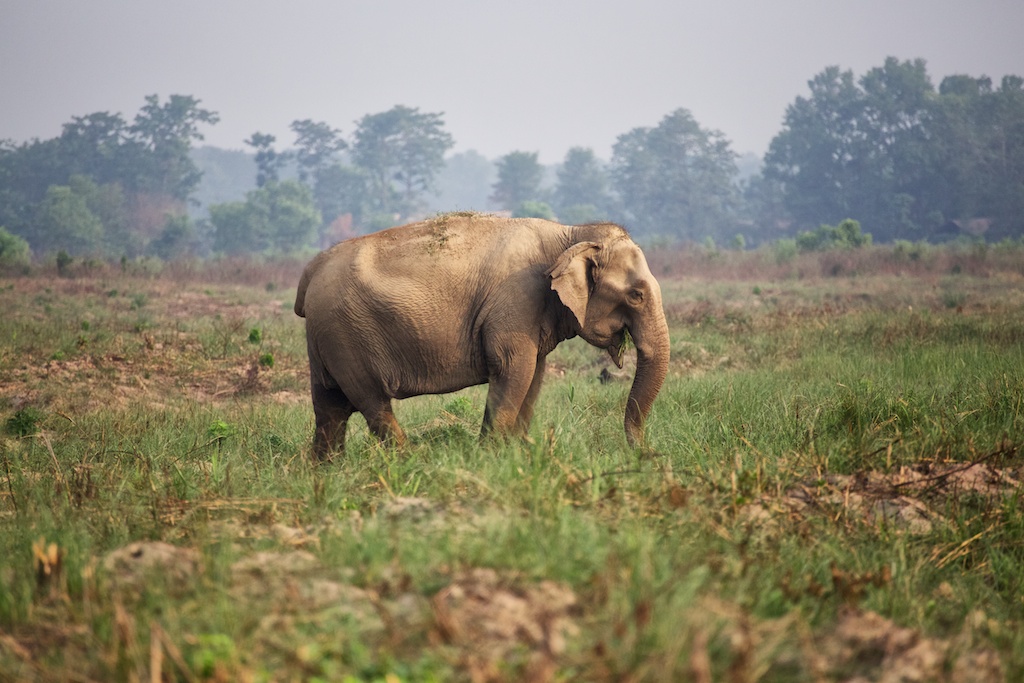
[571,277]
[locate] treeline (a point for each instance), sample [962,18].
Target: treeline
[905,160]
[104,186]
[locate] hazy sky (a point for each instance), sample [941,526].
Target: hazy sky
[512,75]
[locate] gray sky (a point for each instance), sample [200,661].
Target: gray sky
[512,75]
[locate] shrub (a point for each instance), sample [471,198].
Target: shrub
[846,235]
[25,422]
[785,250]
[14,251]
[531,209]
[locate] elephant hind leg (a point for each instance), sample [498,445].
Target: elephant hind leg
[332,409]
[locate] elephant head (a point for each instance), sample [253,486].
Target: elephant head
[609,290]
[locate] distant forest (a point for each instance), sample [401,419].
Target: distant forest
[887,149]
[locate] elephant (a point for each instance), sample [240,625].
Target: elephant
[463,299]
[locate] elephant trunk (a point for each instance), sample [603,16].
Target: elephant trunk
[652,351]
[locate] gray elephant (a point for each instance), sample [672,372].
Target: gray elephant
[463,299]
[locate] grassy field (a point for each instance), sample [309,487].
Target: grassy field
[834,492]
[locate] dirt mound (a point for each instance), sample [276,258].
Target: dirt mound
[494,622]
[865,646]
[140,564]
[908,499]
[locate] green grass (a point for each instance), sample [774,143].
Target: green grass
[794,413]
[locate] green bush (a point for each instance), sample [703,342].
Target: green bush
[846,235]
[24,422]
[14,251]
[531,209]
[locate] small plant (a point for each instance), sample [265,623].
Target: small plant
[24,422]
[255,336]
[219,430]
[266,360]
[64,261]
[460,406]
[214,655]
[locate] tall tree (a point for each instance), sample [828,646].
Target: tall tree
[163,134]
[268,161]
[341,189]
[981,166]
[581,194]
[402,151]
[465,182]
[676,178]
[816,156]
[899,157]
[317,146]
[94,145]
[519,178]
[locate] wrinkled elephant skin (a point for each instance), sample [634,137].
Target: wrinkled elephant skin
[466,299]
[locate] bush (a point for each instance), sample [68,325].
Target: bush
[531,209]
[14,251]
[846,235]
[24,422]
[785,250]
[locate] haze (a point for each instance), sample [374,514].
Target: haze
[533,76]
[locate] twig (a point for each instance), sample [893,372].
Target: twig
[957,470]
[56,467]
[10,484]
[610,473]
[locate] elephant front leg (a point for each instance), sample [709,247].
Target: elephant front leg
[381,421]
[508,390]
[525,416]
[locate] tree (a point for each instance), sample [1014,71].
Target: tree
[814,158]
[900,157]
[676,178]
[95,145]
[162,135]
[581,194]
[402,151]
[279,217]
[519,179]
[176,239]
[268,161]
[980,171]
[341,189]
[465,182]
[65,222]
[317,145]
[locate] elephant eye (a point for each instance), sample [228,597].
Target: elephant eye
[635,297]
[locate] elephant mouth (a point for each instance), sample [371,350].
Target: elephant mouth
[617,347]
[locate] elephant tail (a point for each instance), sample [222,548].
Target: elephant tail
[307,276]
[300,296]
